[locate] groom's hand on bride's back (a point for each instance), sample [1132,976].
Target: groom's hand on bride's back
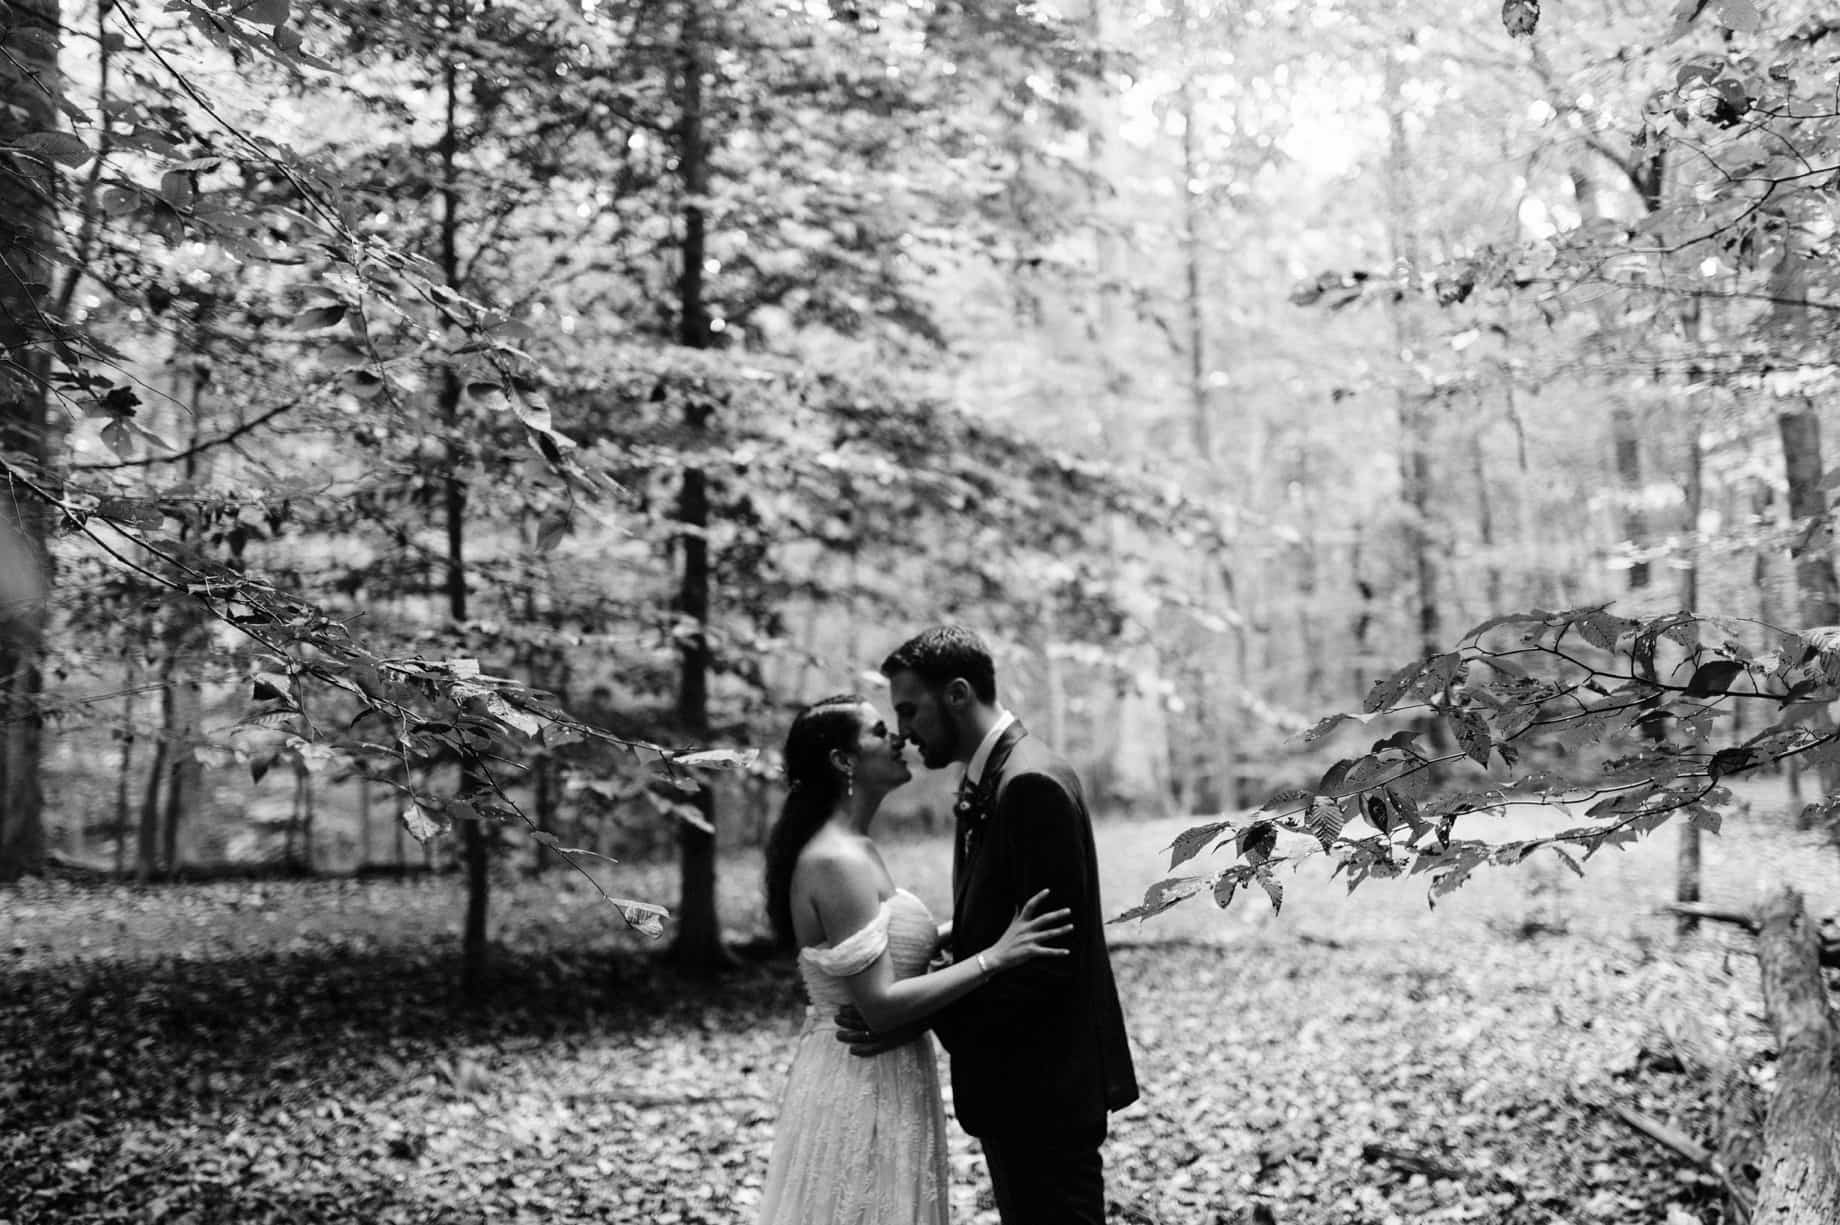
[855,1032]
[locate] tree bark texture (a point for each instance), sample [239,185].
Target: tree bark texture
[1687,852]
[1415,403]
[698,945]
[29,84]
[1199,405]
[1800,1184]
[1800,430]
[188,644]
[147,843]
[475,846]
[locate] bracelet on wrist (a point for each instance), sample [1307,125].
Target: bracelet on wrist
[983,966]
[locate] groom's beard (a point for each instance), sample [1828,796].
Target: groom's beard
[939,755]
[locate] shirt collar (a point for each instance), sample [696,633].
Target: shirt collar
[974,770]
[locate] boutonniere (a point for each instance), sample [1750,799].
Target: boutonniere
[972,806]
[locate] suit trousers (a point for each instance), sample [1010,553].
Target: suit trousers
[1054,1179]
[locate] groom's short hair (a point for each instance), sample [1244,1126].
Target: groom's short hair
[944,654]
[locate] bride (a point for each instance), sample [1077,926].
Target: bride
[862,1141]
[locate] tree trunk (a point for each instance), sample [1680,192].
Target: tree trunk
[1415,403]
[1687,852]
[300,828]
[1105,321]
[1818,600]
[1485,515]
[1206,778]
[184,772]
[187,649]
[364,819]
[1813,551]
[307,862]
[1626,447]
[542,806]
[476,849]
[28,222]
[698,946]
[396,826]
[1812,547]
[1361,632]
[147,845]
[124,780]
[1800,1184]
[1199,407]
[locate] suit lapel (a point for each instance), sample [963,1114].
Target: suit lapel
[975,810]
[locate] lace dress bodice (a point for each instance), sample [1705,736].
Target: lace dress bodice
[903,927]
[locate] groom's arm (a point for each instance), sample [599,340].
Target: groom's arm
[1040,823]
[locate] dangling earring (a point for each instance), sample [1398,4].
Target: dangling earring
[849,784]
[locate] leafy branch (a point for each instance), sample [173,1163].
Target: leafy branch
[1639,700]
[438,709]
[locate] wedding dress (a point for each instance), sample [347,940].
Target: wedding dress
[860,1141]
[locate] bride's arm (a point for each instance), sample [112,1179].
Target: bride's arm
[844,893]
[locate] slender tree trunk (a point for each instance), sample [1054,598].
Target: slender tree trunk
[364,819]
[474,839]
[124,780]
[147,845]
[1200,409]
[184,772]
[1309,635]
[1210,772]
[698,946]
[1687,851]
[1813,553]
[1485,516]
[29,82]
[300,838]
[396,826]
[1687,855]
[544,808]
[1626,447]
[1415,403]
[308,863]
[1800,1184]
[1811,548]
[1105,320]
[1361,633]
[291,834]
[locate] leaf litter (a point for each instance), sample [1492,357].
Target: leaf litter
[296,1052]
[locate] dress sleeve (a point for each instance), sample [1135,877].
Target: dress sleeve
[854,953]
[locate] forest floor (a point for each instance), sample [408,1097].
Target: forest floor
[270,1052]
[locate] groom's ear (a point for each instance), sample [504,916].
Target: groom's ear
[958,693]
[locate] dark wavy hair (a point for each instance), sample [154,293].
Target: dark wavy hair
[943,654]
[811,793]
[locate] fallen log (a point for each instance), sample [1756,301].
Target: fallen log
[1800,1184]
[1828,949]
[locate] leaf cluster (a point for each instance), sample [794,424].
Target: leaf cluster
[1652,696]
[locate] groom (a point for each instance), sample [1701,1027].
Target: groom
[1039,1055]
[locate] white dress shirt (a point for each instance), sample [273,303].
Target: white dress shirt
[974,769]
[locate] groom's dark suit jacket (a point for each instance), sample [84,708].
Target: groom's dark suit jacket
[1042,1045]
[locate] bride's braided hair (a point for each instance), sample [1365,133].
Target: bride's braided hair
[812,788]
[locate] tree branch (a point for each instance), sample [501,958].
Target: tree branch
[209,444]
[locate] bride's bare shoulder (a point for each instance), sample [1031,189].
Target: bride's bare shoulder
[835,860]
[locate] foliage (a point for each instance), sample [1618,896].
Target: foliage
[333,273]
[1629,719]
